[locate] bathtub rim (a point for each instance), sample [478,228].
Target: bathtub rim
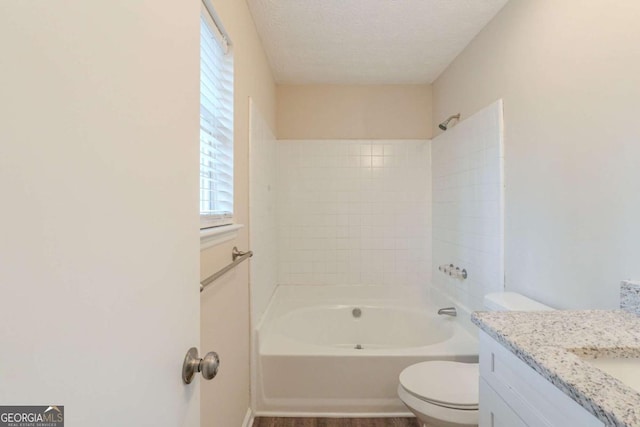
[288,298]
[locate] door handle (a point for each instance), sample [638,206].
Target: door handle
[208,366]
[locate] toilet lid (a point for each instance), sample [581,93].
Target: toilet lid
[449,384]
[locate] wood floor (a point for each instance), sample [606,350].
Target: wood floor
[335,422]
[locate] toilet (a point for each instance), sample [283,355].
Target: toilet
[445,394]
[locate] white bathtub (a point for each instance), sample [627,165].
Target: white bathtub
[315,357]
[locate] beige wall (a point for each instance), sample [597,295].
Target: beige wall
[225,305]
[569,74]
[354,112]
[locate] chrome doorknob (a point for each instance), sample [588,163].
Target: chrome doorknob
[192,364]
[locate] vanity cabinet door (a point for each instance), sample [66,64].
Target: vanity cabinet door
[534,400]
[494,412]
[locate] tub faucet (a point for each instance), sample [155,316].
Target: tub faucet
[449,311]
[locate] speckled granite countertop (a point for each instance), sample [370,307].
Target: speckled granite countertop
[551,341]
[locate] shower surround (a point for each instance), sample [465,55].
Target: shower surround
[468,209]
[354,212]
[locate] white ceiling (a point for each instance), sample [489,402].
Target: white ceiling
[367,41]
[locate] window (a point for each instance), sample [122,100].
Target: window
[216,122]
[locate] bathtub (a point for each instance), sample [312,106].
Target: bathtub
[338,350]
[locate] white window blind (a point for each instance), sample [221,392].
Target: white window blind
[216,124]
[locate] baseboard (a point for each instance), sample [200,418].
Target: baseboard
[248,418]
[293,414]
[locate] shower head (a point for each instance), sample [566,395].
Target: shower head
[444,124]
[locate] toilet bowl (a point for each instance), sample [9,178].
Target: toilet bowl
[445,394]
[440,393]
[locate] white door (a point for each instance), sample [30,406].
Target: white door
[99,250]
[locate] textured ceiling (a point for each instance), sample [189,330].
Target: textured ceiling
[367,41]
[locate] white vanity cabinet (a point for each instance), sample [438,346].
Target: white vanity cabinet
[512,394]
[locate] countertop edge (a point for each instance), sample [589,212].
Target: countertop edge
[607,416]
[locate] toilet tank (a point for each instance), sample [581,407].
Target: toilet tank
[512,301]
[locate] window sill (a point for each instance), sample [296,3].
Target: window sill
[214,236]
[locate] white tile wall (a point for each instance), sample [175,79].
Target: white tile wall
[262,212]
[354,212]
[468,206]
